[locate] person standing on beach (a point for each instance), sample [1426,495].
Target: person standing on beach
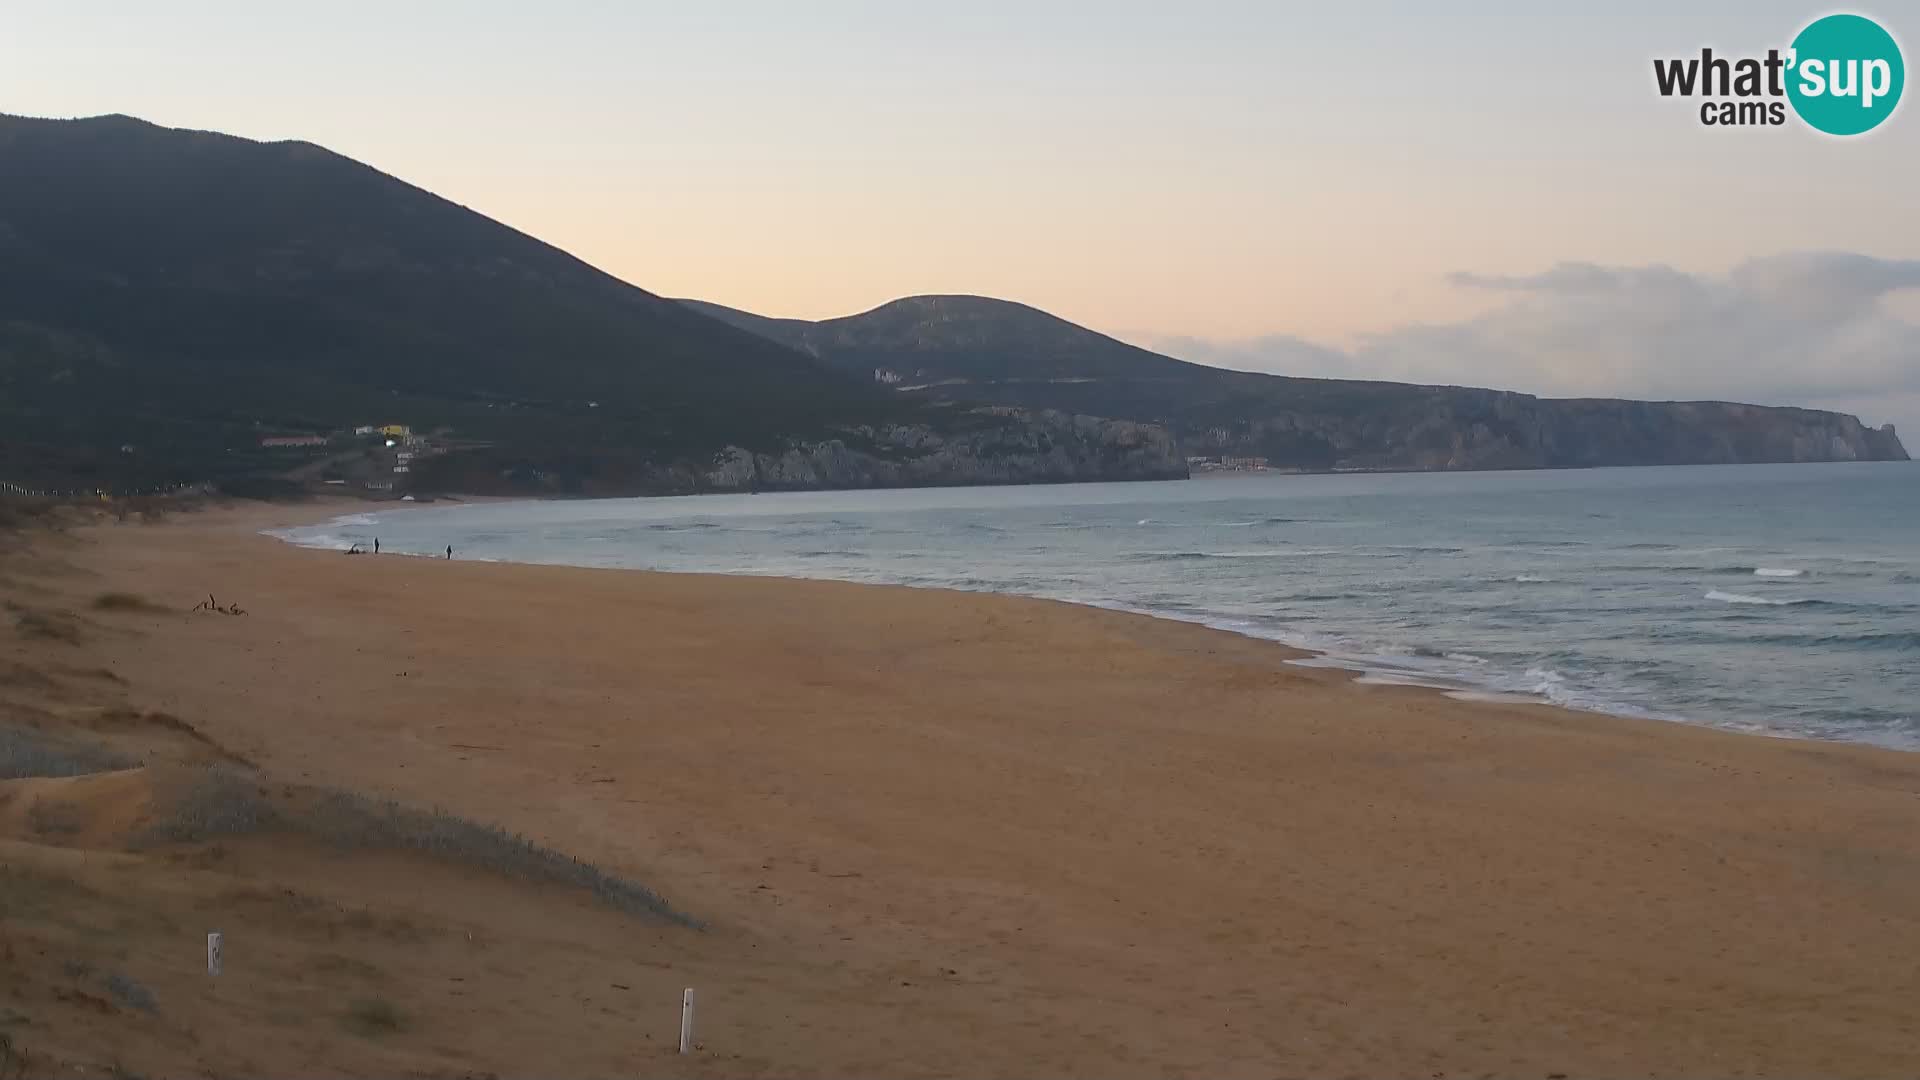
[376,545]
[449,552]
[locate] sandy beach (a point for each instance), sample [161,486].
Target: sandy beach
[946,834]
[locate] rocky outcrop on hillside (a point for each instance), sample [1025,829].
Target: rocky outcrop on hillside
[1006,447]
[1458,428]
[967,447]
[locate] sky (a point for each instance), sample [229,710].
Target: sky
[1495,195]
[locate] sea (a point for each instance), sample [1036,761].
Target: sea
[1780,599]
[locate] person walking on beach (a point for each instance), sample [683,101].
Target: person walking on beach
[376,545]
[449,552]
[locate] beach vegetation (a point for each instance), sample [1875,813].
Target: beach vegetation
[25,753]
[13,1062]
[130,992]
[126,601]
[225,802]
[374,1016]
[25,677]
[46,626]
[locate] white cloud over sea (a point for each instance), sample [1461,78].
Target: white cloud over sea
[1827,330]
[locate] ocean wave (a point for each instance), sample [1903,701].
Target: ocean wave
[1532,579]
[1776,571]
[1431,653]
[1257,553]
[1895,640]
[309,538]
[1743,598]
[1545,676]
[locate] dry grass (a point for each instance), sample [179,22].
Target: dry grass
[56,820]
[371,1017]
[129,992]
[27,753]
[22,676]
[225,802]
[134,720]
[20,512]
[101,673]
[46,626]
[128,602]
[13,1063]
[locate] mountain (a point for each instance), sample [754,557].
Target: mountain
[976,349]
[168,298]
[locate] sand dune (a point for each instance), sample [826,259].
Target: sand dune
[929,833]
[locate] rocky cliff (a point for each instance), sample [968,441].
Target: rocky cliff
[977,349]
[977,446]
[1028,448]
[1458,428]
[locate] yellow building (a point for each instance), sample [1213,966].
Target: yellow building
[396,431]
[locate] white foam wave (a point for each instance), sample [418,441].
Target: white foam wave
[1776,571]
[1379,677]
[313,538]
[1743,598]
[1497,697]
[1532,579]
[1546,682]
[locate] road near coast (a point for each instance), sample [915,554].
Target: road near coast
[956,834]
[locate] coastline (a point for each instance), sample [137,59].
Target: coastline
[1299,654]
[1414,668]
[945,832]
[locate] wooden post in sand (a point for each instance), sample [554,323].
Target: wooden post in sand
[686,1021]
[213,953]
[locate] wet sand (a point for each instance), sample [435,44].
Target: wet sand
[956,834]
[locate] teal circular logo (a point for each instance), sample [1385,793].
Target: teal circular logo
[1845,75]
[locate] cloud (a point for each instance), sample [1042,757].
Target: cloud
[1808,328]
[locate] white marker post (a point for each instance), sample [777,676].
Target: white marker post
[686,1021]
[213,953]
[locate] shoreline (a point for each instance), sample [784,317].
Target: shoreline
[1303,655]
[1370,670]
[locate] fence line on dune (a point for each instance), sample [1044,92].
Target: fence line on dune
[8,487]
